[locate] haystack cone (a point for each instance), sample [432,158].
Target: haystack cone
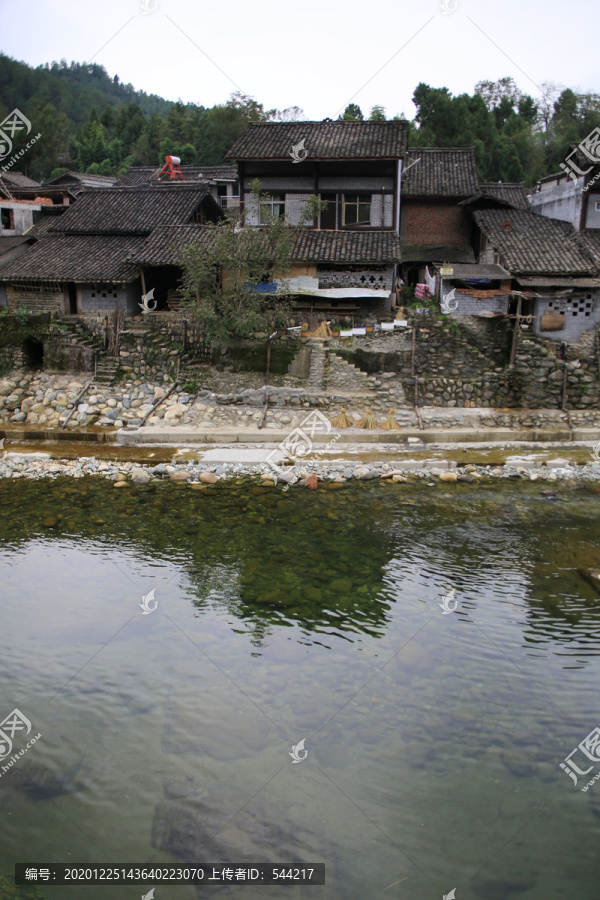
[368,421]
[343,420]
[390,423]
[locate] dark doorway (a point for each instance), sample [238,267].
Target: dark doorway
[72,299]
[328,215]
[33,353]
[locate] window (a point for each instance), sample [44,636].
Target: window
[597,205]
[6,218]
[274,207]
[357,209]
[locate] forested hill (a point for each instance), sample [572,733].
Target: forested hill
[91,122]
[74,89]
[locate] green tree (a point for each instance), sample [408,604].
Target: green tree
[224,276]
[377,114]
[352,113]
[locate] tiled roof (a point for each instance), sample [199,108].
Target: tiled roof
[84,178]
[68,257]
[136,175]
[44,190]
[437,253]
[165,245]
[132,210]
[533,245]
[443,172]
[589,241]
[322,140]
[511,193]
[45,222]
[17,179]
[215,173]
[558,282]
[7,243]
[464,272]
[339,247]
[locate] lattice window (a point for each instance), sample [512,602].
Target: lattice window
[575,306]
[104,290]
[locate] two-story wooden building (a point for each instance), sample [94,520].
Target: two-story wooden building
[347,262]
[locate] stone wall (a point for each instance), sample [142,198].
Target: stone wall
[467,365]
[44,300]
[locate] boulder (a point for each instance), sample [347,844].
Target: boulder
[179,477]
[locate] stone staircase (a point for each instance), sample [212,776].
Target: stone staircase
[315,383]
[345,377]
[106,369]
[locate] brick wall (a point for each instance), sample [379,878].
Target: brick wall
[40,301]
[434,222]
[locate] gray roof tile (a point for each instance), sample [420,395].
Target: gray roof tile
[440,172]
[533,245]
[322,140]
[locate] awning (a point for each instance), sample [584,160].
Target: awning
[477,272]
[345,293]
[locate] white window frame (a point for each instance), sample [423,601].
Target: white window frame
[273,207]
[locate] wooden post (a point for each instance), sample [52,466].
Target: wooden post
[268,360]
[513,351]
[143,282]
[563,350]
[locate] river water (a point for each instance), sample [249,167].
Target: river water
[280,615]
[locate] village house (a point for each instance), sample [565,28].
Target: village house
[540,260]
[481,288]
[575,199]
[346,260]
[83,263]
[77,182]
[434,227]
[221,180]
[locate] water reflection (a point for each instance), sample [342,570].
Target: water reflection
[333,563]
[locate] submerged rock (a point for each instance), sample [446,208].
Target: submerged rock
[592,576]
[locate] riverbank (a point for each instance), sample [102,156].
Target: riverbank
[205,468]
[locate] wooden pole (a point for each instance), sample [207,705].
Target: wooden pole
[157,404]
[75,402]
[513,351]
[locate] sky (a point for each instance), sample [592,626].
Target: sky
[314,54]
